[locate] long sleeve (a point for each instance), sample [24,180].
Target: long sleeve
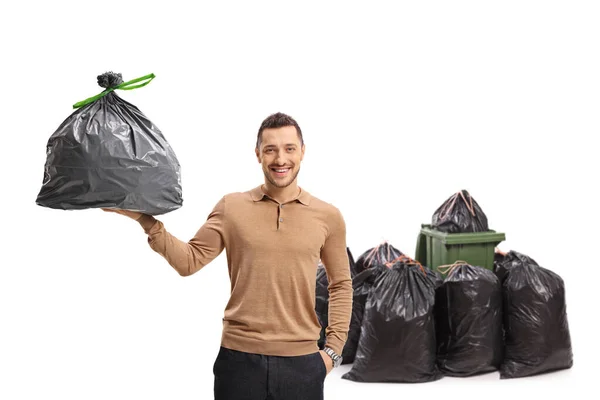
[189,257]
[334,256]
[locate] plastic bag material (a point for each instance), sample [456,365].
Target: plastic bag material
[499,256]
[436,277]
[367,268]
[503,261]
[378,255]
[361,285]
[108,154]
[468,314]
[322,297]
[460,213]
[537,337]
[322,302]
[397,342]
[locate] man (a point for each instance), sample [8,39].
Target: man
[275,235]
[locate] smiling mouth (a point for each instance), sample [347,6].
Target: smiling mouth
[281,171]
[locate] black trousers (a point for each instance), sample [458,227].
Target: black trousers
[248,376]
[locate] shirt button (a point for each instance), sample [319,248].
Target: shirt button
[281,206]
[280,219]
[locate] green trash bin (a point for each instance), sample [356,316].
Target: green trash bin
[435,248]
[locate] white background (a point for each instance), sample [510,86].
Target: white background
[401,106]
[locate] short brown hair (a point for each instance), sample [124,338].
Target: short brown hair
[278,120]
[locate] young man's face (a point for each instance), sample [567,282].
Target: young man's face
[280,154]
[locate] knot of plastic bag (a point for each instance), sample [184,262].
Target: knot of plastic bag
[375,253]
[448,268]
[450,205]
[110,79]
[406,260]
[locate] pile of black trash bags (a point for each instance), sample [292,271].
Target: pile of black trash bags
[411,325]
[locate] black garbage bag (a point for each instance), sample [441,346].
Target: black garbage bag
[397,342]
[537,337]
[322,297]
[361,285]
[108,154]
[367,268]
[468,313]
[378,255]
[460,213]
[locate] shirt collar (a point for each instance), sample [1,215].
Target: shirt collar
[258,194]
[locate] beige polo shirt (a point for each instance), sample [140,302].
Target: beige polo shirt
[272,253]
